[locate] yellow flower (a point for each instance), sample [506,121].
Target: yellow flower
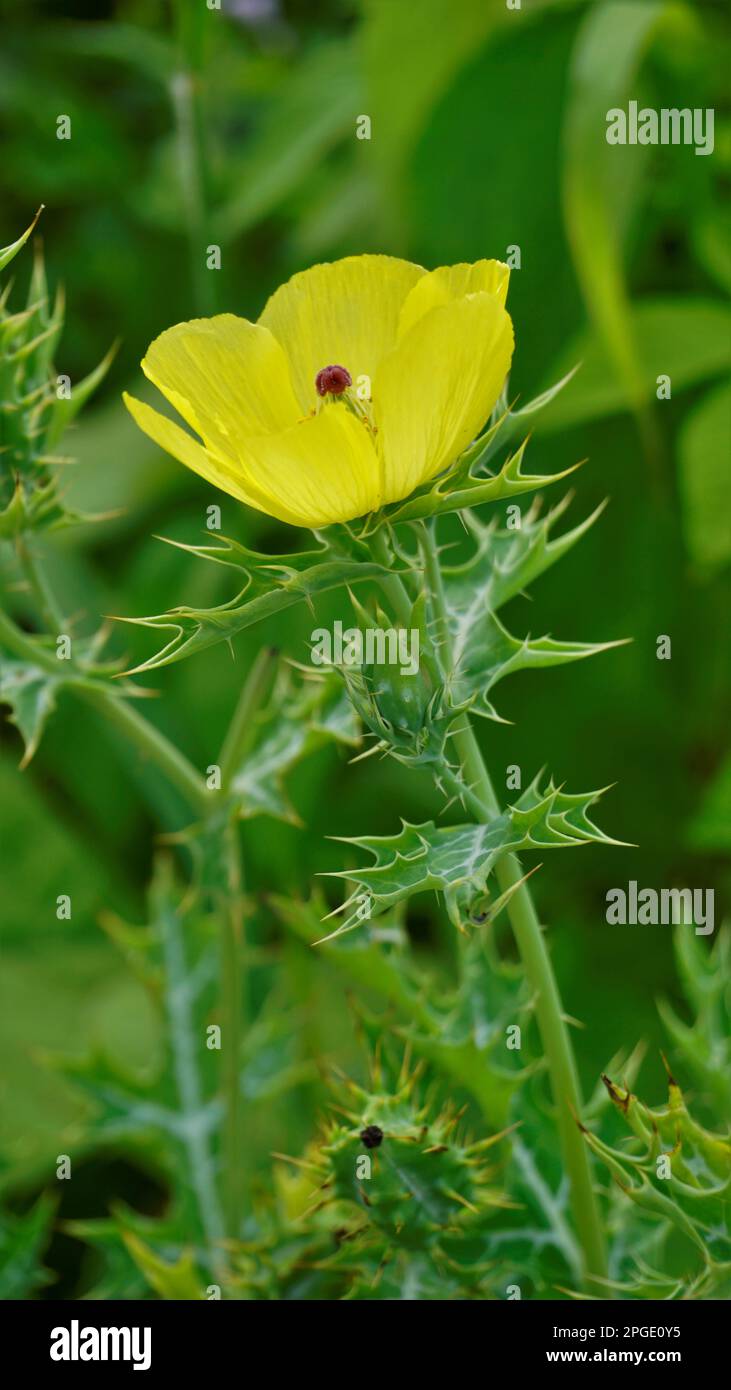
[362,379]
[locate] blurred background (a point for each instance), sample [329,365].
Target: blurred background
[193,127]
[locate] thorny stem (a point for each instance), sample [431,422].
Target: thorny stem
[480,795]
[392,584]
[549,1009]
[233,945]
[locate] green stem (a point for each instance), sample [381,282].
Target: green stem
[392,584]
[44,596]
[233,944]
[241,729]
[232,1029]
[549,1010]
[479,792]
[150,743]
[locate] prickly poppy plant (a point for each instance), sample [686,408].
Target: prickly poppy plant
[331,1009]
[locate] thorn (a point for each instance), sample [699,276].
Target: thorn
[297,1162]
[456,1197]
[619,1100]
[671,1078]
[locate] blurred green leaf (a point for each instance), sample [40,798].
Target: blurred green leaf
[599,178]
[687,339]
[315,109]
[22,1242]
[150,54]
[432,44]
[300,717]
[710,828]
[704,455]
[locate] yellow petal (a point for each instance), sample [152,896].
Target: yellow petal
[453,282]
[346,313]
[226,377]
[170,437]
[434,392]
[321,470]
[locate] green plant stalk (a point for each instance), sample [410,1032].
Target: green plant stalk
[529,938]
[551,1022]
[150,743]
[38,583]
[241,729]
[233,944]
[233,1024]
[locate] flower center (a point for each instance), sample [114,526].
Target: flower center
[333,380]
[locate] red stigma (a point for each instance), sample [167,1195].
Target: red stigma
[333,380]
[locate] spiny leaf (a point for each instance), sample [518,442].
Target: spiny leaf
[467,485]
[23,1240]
[120,1276]
[66,409]
[505,561]
[175,1111]
[273,583]
[462,1032]
[7,252]
[458,860]
[31,694]
[42,509]
[704,1045]
[33,416]
[506,422]
[300,718]
[31,689]
[483,652]
[177,1280]
[677,1173]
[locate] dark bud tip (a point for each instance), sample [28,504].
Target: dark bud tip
[372,1136]
[333,380]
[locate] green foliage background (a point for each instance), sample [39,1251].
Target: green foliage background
[487,132]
